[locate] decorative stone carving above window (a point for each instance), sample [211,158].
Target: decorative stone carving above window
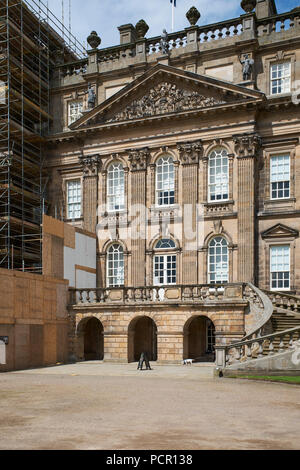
[218,208]
[138,159]
[189,152]
[247,145]
[90,165]
[280,231]
[165,98]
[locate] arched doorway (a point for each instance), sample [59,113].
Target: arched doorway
[199,339]
[142,337]
[91,339]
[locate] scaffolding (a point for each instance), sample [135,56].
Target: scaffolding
[31,38]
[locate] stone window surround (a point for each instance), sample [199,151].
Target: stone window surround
[67,99]
[156,197]
[150,253]
[165,151]
[269,242]
[114,261]
[103,185]
[116,163]
[205,160]
[277,151]
[204,250]
[280,57]
[103,261]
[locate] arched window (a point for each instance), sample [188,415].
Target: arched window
[165,263]
[218,175]
[218,271]
[115,187]
[165,181]
[115,266]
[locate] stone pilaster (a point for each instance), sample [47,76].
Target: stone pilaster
[90,165]
[247,147]
[138,166]
[189,155]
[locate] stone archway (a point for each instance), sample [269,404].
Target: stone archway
[199,339]
[142,337]
[90,336]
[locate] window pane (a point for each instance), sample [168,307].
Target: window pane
[116,187]
[280,176]
[74,199]
[75,111]
[165,181]
[115,266]
[280,78]
[164,269]
[218,261]
[280,267]
[218,175]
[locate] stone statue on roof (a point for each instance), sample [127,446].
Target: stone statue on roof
[91,97]
[164,43]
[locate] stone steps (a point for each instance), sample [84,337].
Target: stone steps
[282,320]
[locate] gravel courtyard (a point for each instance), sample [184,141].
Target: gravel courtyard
[105,406]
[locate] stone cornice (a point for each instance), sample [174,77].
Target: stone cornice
[190,152]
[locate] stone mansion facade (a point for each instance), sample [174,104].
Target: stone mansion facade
[199,129]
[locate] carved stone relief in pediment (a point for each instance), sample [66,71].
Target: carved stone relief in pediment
[162,99]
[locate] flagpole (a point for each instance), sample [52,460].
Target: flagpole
[173,16]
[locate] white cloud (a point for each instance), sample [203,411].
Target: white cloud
[104,16]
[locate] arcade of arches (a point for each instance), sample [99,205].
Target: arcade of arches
[198,339]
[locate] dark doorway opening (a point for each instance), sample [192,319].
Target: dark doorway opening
[142,337]
[93,340]
[199,340]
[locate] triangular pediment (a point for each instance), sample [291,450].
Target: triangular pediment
[163,91]
[280,231]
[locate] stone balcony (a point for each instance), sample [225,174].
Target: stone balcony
[158,295]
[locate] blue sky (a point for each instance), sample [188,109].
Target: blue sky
[105,16]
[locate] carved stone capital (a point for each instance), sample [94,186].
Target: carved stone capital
[190,152]
[90,165]
[138,159]
[247,145]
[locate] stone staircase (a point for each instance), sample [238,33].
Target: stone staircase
[283,320]
[279,333]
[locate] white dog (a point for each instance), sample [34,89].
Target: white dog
[187,362]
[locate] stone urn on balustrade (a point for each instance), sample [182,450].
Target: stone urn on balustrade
[141,29]
[94,40]
[248,5]
[193,15]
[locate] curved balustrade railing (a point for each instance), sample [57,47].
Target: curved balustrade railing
[261,307]
[244,351]
[284,300]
